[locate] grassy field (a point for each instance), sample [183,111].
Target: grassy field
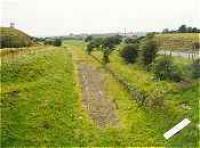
[177,41]
[41,103]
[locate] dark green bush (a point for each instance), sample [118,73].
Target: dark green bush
[57,42]
[129,53]
[165,69]
[54,42]
[149,50]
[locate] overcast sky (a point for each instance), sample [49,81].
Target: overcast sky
[60,17]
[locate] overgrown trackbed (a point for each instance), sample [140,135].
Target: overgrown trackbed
[98,105]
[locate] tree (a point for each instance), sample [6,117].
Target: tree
[94,44]
[189,29]
[182,29]
[165,69]
[166,30]
[195,30]
[129,53]
[149,49]
[108,45]
[57,42]
[88,38]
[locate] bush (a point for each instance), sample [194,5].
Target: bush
[129,53]
[57,42]
[89,38]
[54,42]
[165,69]
[196,69]
[149,50]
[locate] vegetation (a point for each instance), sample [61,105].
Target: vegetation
[129,53]
[54,42]
[165,69]
[44,93]
[183,29]
[176,101]
[106,45]
[149,49]
[13,38]
[196,68]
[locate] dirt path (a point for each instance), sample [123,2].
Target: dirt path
[99,106]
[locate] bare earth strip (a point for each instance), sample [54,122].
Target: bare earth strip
[99,106]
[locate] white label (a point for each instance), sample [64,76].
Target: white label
[176,128]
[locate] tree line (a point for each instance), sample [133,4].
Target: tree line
[182,29]
[141,50]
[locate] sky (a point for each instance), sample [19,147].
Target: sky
[61,17]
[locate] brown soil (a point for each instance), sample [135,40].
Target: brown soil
[100,108]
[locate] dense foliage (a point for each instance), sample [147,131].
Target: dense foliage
[54,42]
[129,53]
[149,49]
[106,45]
[165,69]
[183,29]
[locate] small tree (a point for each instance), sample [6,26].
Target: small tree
[94,44]
[149,50]
[57,42]
[88,38]
[108,45]
[129,53]
[165,69]
[182,29]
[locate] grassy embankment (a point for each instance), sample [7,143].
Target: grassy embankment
[157,120]
[41,105]
[14,38]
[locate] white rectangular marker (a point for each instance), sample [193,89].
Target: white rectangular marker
[176,128]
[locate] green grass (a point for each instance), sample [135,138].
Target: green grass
[41,104]
[152,123]
[39,101]
[177,41]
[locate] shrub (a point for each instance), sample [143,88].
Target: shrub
[165,69]
[57,42]
[196,69]
[89,38]
[129,53]
[149,50]
[54,42]
[94,44]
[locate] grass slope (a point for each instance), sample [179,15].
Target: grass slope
[13,38]
[41,105]
[144,126]
[39,101]
[177,41]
